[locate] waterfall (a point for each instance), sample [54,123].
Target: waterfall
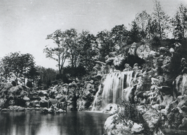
[96,98]
[116,87]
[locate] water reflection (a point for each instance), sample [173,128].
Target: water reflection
[34,123]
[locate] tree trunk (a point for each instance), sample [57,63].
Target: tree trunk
[60,71]
[160,30]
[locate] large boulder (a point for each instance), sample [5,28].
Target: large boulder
[118,60]
[166,64]
[42,93]
[25,98]
[15,90]
[16,108]
[132,49]
[143,51]
[152,118]
[180,84]
[44,102]
[158,132]
[141,109]
[153,53]
[110,60]
[137,128]
[53,101]
[80,104]
[167,99]
[34,96]
[35,103]
[182,101]
[90,87]
[5,86]
[182,105]
[2,102]
[114,125]
[184,124]
[110,122]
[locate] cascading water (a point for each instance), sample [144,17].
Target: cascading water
[96,99]
[116,87]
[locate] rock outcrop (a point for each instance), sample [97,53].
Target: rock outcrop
[116,125]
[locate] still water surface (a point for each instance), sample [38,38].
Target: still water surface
[34,123]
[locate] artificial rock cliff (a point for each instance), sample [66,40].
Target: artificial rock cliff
[157,91]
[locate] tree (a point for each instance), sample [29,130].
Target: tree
[180,22]
[88,50]
[46,75]
[142,20]
[71,40]
[32,73]
[58,53]
[110,41]
[11,63]
[74,72]
[26,63]
[119,35]
[135,32]
[151,28]
[17,63]
[105,44]
[161,18]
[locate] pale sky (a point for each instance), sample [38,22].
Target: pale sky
[24,24]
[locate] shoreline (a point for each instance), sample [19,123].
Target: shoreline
[21,110]
[166,131]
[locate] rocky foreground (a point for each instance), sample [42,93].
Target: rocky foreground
[144,120]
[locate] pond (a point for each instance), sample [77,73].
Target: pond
[35,123]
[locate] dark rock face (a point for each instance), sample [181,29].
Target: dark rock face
[174,118]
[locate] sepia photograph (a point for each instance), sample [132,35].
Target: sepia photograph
[93,67]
